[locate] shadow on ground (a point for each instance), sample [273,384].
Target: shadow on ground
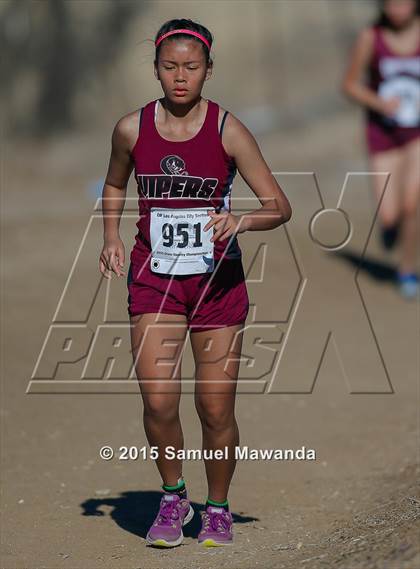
[135,512]
[377,270]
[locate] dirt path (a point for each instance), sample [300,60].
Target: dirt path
[356,506]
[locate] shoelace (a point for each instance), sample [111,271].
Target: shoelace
[218,522]
[168,512]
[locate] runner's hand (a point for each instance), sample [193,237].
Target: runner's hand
[390,106]
[225,224]
[112,258]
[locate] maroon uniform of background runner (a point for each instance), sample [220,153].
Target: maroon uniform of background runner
[382,133]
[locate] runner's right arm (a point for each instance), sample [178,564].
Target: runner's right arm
[353,85]
[113,195]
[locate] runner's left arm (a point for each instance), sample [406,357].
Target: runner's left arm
[242,146]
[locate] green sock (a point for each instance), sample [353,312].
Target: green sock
[179,488]
[224,504]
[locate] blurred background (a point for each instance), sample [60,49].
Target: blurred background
[70,66]
[70,70]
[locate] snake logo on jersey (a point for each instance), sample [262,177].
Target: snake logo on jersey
[173,165]
[175,182]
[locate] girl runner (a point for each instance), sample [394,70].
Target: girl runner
[186,267]
[389,50]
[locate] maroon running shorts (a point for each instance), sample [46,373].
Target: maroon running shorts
[380,138]
[208,300]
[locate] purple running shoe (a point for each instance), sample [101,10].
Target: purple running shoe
[166,530]
[217,527]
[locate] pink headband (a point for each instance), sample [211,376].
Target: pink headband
[191,32]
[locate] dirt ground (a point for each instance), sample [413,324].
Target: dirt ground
[357,506]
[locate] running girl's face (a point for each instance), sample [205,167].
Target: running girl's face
[182,69]
[400,12]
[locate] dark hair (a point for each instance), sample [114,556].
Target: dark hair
[188,25]
[383,20]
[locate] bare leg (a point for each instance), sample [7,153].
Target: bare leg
[157,346]
[217,354]
[410,207]
[389,161]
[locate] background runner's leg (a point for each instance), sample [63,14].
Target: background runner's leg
[388,161]
[410,206]
[157,346]
[216,354]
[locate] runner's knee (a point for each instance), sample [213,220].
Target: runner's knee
[214,416]
[410,205]
[161,407]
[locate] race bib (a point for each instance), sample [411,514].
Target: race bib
[180,246]
[407,89]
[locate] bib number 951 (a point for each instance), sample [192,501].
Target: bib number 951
[179,244]
[181,230]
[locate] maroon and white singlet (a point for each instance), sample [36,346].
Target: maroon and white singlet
[174,268]
[393,75]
